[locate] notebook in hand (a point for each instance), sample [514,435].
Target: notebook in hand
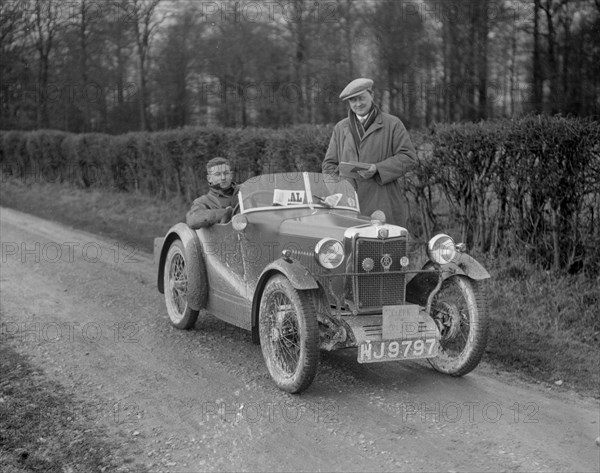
[350,169]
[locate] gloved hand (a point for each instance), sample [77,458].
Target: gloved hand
[227,215]
[369,173]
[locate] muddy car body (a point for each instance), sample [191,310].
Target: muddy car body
[303,270]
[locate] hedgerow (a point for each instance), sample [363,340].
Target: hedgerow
[528,187]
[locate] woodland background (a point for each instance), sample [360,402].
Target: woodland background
[123,65]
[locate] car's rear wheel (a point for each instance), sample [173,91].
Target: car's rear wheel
[176,288]
[461,313]
[289,335]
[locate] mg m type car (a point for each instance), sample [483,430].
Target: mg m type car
[303,270]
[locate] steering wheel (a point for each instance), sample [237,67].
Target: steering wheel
[322,201]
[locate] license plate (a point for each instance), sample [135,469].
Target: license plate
[390,350]
[401,322]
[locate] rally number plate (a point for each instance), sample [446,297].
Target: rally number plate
[390,350]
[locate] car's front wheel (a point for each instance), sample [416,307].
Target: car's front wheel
[289,335]
[176,288]
[461,314]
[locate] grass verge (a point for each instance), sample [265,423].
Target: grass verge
[544,326]
[45,429]
[130,218]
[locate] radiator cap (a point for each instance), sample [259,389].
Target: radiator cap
[378,218]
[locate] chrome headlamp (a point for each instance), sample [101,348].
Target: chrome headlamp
[441,249]
[329,253]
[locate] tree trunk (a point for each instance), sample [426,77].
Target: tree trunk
[482,62]
[537,91]
[348,37]
[552,60]
[142,91]
[45,26]
[514,73]
[83,64]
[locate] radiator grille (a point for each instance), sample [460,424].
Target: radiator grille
[376,290]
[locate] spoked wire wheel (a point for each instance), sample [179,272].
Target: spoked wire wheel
[460,312]
[176,288]
[289,335]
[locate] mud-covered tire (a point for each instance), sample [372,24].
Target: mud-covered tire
[289,334]
[460,310]
[176,288]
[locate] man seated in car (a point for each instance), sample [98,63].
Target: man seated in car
[215,206]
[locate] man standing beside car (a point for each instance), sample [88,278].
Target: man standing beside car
[378,141]
[215,206]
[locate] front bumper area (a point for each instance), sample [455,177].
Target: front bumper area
[397,322]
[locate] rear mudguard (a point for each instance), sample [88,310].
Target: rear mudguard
[298,275]
[419,287]
[197,282]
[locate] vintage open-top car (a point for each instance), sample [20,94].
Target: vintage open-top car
[303,270]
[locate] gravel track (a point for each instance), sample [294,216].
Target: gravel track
[86,310]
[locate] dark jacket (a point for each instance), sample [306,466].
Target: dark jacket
[210,208]
[385,143]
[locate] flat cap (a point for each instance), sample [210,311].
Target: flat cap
[356,87]
[217,161]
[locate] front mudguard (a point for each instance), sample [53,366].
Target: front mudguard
[298,276]
[419,287]
[197,288]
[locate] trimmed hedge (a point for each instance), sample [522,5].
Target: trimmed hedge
[529,186]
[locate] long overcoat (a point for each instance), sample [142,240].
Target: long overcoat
[385,143]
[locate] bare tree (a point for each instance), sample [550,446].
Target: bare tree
[13,27]
[180,54]
[144,13]
[482,30]
[48,21]
[550,8]
[399,43]
[249,63]
[119,45]
[82,18]
[300,27]
[537,76]
[435,61]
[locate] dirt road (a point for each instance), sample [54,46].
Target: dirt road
[87,311]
